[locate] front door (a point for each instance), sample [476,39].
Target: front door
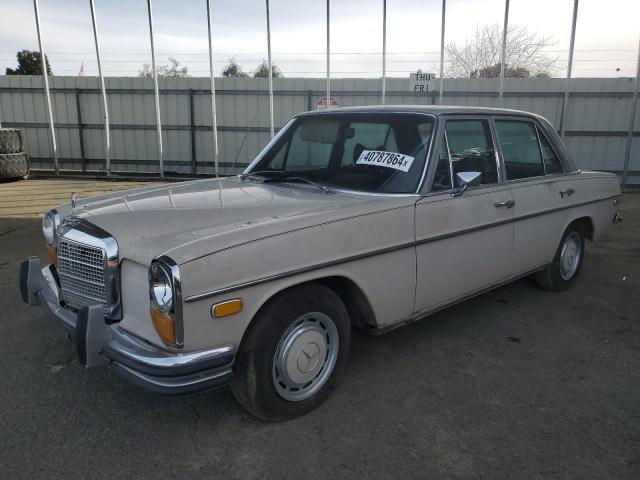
[464,243]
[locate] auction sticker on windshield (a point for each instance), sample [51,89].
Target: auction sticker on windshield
[394,160]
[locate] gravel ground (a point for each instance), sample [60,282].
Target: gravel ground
[517,383]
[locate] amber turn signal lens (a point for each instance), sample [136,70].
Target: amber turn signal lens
[226,308]
[52,251]
[164,325]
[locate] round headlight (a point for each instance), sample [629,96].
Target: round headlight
[161,287]
[48,228]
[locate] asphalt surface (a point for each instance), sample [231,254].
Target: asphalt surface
[517,383]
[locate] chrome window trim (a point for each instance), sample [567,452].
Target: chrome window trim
[416,192]
[500,165]
[548,177]
[446,144]
[544,164]
[83,232]
[470,190]
[563,163]
[539,130]
[456,117]
[514,118]
[177,300]
[540,125]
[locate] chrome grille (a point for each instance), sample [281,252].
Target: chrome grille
[82,275]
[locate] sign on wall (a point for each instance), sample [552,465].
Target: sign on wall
[322,103]
[419,82]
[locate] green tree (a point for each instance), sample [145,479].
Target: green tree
[29,63]
[263,71]
[234,70]
[172,71]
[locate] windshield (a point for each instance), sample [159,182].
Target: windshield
[378,153]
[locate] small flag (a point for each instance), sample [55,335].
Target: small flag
[81,72]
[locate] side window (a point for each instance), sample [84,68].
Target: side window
[442,177]
[471,149]
[551,162]
[520,149]
[306,154]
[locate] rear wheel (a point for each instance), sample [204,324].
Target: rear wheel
[564,269]
[293,353]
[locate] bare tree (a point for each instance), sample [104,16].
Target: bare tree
[480,55]
[174,70]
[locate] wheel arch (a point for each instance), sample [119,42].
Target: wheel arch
[585,224]
[356,302]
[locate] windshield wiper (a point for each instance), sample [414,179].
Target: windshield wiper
[296,178]
[282,176]
[262,174]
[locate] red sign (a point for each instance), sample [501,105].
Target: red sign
[322,103]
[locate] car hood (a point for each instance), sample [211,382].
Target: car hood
[188,220]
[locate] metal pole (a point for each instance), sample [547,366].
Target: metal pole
[45,76]
[441,93]
[565,102]
[328,59]
[632,121]
[213,91]
[107,139]
[503,56]
[384,50]
[155,87]
[271,127]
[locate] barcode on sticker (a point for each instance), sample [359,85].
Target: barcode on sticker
[398,161]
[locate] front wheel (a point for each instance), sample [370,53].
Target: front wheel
[293,353]
[564,269]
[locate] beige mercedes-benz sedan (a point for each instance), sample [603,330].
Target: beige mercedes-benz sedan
[373,216]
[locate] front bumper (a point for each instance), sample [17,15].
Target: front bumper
[99,344]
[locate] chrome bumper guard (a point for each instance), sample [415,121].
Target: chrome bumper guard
[99,344]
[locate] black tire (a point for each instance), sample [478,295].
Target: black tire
[13,165]
[556,277]
[253,382]
[10,140]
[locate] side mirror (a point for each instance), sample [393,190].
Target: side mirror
[464,179]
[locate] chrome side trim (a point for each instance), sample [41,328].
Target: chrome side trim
[353,258]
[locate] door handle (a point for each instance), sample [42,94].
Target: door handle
[508,204]
[568,192]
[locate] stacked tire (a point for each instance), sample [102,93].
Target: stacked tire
[14,163]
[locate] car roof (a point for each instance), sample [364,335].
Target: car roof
[429,109]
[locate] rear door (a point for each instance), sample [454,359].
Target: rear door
[464,243]
[540,190]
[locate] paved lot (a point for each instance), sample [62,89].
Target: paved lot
[517,383]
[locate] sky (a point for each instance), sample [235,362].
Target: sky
[606,39]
